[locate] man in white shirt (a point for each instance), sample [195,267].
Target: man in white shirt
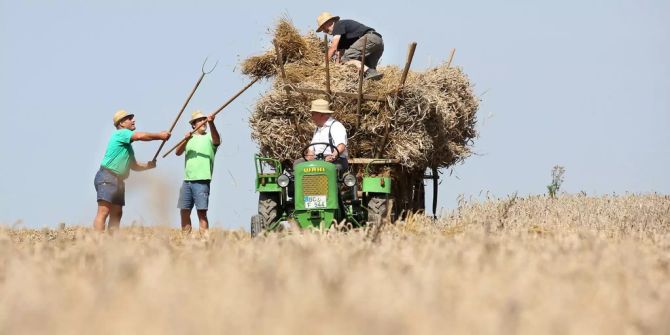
[330,131]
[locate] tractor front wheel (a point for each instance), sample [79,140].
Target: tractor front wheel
[268,207]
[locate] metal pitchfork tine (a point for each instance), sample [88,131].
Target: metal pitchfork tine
[212,69]
[183,107]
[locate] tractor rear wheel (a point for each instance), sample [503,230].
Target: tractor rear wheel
[256,225]
[377,207]
[268,207]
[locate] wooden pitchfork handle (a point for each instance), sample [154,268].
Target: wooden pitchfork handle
[183,107]
[214,114]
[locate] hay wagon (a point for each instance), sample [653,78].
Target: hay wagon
[402,129]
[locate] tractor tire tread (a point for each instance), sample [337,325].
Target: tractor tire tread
[377,208]
[268,208]
[256,225]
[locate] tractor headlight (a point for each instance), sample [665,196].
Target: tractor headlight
[350,180]
[283,180]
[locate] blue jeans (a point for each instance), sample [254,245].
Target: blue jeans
[110,187]
[194,192]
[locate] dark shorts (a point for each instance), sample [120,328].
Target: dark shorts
[109,187]
[194,193]
[373,50]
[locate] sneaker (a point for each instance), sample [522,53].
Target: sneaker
[373,74]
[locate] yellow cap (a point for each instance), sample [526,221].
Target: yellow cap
[321,106]
[322,19]
[120,114]
[197,115]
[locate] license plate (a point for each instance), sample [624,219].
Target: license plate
[315,201]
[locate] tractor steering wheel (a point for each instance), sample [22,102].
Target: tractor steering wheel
[320,156]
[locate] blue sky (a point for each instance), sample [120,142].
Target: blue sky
[583,84]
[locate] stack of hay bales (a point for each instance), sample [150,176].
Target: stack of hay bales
[430,123]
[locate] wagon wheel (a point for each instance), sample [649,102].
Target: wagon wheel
[377,207]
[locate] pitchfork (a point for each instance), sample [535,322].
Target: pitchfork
[187,100]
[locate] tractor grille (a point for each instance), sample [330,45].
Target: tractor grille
[315,184]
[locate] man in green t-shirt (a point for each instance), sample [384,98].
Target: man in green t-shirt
[116,165]
[200,149]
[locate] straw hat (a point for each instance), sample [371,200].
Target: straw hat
[322,19]
[119,115]
[195,116]
[321,106]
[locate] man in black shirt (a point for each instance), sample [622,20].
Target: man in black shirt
[348,36]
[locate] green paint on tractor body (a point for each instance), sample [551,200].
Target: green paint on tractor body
[267,172]
[316,196]
[376,184]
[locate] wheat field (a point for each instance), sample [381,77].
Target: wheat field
[535,265]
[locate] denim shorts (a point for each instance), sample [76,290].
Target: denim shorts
[194,192]
[110,187]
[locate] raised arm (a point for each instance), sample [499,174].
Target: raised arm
[182,147]
[216,139]
[141,136]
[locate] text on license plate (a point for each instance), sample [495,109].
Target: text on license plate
[315,201]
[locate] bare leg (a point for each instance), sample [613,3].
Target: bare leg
[202,217]
[104,208]
[356,63]
[185,220]
[115,217]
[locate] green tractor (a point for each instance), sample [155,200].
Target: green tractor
[314,194]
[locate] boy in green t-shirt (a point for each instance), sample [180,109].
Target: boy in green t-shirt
[116,165]
[200,149]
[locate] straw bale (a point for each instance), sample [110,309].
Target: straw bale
[431,121]
[294,47]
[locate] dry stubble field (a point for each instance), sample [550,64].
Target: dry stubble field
[574,265]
